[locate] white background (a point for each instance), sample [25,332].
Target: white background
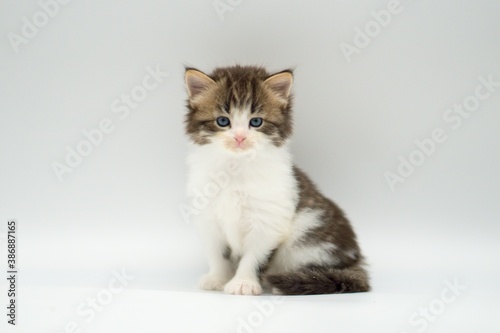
[119,208]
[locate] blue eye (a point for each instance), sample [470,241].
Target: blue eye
[255,122]
[223,121]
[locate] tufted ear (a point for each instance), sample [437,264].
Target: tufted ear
[280,83]
[196,81]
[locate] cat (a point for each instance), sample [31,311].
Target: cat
[265,224]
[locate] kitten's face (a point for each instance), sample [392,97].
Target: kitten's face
[239,108]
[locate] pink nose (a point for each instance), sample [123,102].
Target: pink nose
[239,139]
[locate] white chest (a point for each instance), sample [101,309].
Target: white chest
[256,192]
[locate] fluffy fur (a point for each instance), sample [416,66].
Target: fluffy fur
[263,220]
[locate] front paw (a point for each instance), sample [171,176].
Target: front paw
[243,287]
[212,282]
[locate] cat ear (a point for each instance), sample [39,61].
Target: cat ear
[196,81]
[280,83]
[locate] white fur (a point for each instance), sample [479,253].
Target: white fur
[249,197]
[292,254]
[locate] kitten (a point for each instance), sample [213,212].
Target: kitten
[265,222]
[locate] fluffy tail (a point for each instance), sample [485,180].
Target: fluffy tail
[320,280]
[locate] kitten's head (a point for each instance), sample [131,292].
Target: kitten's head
[238,107]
